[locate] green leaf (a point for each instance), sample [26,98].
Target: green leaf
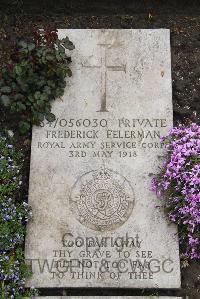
[31,99]
[5,100]
[69,72]
[40,117]
[31,46]
[47,89]
[18,70]
[59,92]
[21,106]
[43,97]
[67,44]
[37,95]
[5,89]
[61,49]
[24,126]
[34,80]
[23,44]
[50,117]
[49,57]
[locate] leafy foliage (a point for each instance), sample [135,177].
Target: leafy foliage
[14,214]
[34,75]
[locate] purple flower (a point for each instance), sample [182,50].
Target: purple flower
[179,185]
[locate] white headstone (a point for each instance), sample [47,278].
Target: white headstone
[96,223]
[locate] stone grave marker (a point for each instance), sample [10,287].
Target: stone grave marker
[95,221]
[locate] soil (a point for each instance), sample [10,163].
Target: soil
[183,20]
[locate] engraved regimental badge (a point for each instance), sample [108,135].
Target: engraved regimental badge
[102,199]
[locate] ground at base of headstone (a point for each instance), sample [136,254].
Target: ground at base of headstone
[108,297]
[190,289]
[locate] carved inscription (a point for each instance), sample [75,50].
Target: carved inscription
[102,138]
[102,199]
[104,67]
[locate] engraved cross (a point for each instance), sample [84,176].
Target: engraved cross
[104,68]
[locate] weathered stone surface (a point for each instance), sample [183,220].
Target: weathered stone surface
[96,222]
